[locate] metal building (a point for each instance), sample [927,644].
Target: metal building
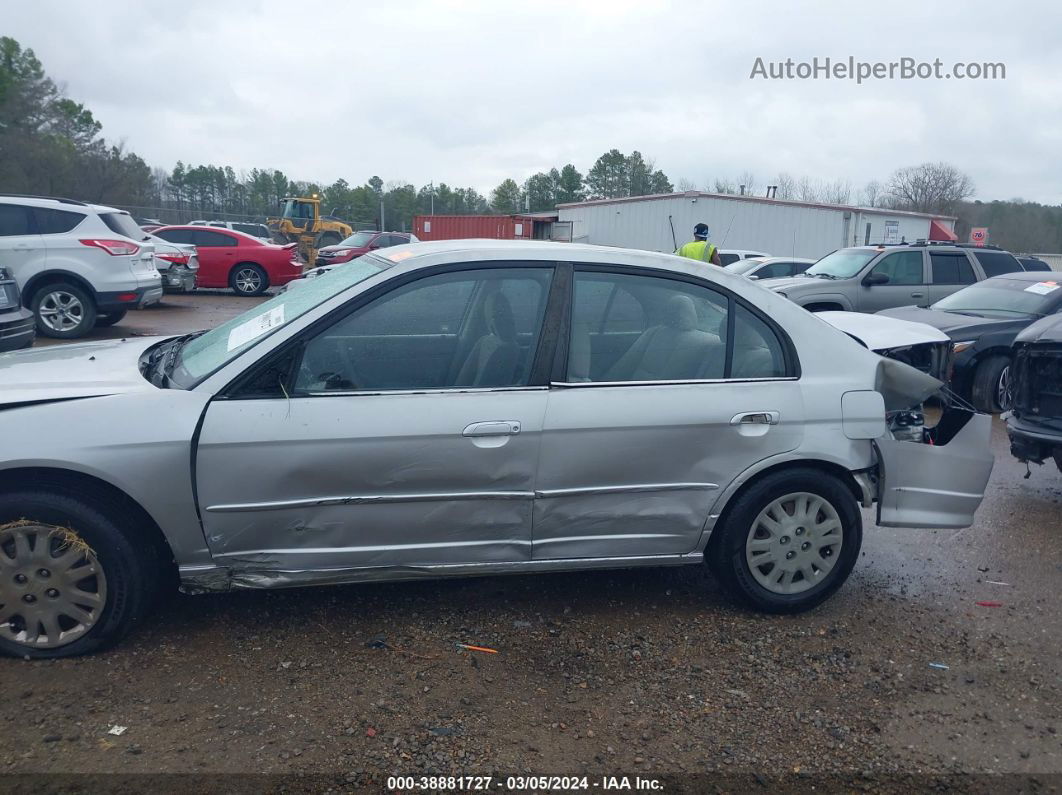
[775,226]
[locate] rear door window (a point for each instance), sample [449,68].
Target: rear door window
[14,220]
[176,235]
[996,263]
[951,269]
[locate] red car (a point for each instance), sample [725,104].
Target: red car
[233,259]
[362,243]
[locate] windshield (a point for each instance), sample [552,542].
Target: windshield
[358,240]
[842,264]
[1001,298]
[205,354]
[744,265]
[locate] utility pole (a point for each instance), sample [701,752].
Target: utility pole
[383,222]
[432,186]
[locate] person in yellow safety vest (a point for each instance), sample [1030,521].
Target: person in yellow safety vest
[699,248]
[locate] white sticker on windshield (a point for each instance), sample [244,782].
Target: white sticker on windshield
[1042,288]
[256,327]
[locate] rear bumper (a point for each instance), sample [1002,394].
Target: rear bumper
[177,279]
[129,299]
[1029,442]
[17,329]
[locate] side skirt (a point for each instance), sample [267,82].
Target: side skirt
[204,579]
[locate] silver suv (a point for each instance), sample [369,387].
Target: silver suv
[78,265]
[872,278]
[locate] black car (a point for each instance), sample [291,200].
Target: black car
[1033,264]
[982,321]
[1035,421]
[16,322]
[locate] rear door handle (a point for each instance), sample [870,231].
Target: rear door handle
[755,418]
[493,428]
[918,295]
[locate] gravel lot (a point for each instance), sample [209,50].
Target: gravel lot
[629,672]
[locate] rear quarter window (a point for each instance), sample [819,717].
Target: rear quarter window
[996,263]
[209,238]
[55,222]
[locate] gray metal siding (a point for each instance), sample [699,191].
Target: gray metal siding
[777,229]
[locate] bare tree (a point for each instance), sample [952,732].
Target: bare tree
[871,196]
[685,185]
[724,186]
[748,180]
[837,192]
[807,190]
[930,188]
[786,186]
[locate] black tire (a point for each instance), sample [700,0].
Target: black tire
[103,320]
[726,555]
[987,384]
[48,298]
[253,276]
[131,571]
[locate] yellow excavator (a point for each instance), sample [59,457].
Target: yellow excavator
[301,222]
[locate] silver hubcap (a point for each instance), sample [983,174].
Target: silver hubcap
[52,587]
[794,543]
[1004,397]
[61,311]
[248,280]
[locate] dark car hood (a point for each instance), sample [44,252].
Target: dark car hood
[1047,329]
[955,325]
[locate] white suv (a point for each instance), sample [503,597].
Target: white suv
[78,265]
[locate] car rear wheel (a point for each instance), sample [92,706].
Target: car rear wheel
[248,279]
[110,318]
[63,311]
[788,542]
[992,390]
[71,581]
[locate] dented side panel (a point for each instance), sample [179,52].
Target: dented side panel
[368,480]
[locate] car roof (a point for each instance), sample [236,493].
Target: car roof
[59,202]
[768,260]
[413,256]
[1024,276]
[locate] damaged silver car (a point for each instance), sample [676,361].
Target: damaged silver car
[462,408]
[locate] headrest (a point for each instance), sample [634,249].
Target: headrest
[681,314]
[500,319]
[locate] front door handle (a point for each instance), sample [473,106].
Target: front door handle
[493,428]
[918,295]
[755,418]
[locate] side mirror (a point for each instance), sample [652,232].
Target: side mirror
[875,278]
[754,276]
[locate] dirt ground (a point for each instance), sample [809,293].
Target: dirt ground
[645,672]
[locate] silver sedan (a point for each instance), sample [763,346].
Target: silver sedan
[463,408]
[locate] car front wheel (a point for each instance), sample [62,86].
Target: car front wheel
[991,390]
[71,581]
[788,542]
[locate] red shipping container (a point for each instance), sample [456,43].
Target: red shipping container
[461,227]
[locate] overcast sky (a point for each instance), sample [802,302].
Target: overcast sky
[469,93]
